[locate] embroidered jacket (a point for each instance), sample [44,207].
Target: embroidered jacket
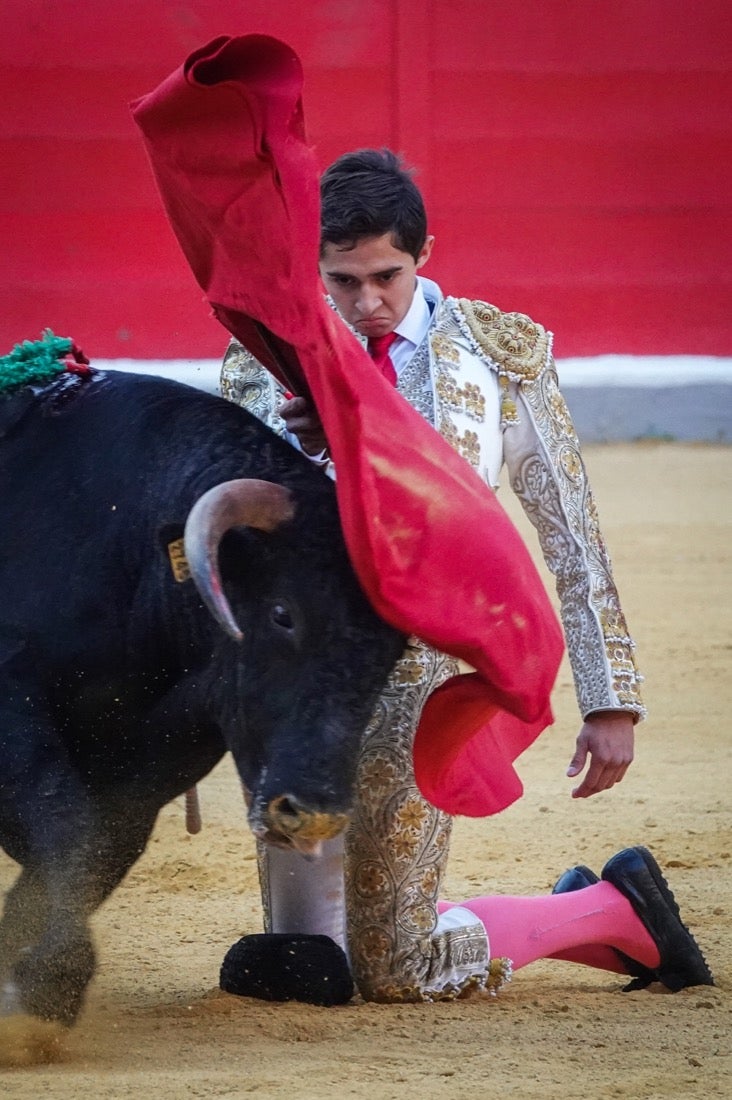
[486,380]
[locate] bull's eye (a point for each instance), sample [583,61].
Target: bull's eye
[281,617]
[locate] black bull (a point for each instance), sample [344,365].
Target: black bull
[119,689]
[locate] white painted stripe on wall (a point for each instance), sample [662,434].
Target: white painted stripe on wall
[599,370]
[644,370]
[202,373]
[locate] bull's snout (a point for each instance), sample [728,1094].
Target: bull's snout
[285,820]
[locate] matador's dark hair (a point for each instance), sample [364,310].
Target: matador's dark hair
[368,193]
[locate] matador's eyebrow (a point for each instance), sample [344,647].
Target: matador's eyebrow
[372,275]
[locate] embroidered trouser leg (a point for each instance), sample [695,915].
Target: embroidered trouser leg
[395,855]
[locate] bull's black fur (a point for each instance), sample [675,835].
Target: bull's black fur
[118,691]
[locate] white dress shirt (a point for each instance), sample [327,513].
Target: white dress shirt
[411,330]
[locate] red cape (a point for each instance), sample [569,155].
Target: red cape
[432,547]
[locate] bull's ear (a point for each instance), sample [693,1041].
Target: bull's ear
[11,643]
[170,541]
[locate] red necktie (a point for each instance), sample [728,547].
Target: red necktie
[378,348]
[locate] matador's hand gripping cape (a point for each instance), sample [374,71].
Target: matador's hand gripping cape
[433,549]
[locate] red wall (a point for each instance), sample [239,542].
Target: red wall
[574,155]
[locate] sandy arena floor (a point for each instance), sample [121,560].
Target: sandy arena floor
[157,1026]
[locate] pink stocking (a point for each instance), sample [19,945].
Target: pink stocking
[593,954]
[570,925]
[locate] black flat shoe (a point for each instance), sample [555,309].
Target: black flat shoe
[281,967]
[577,878]
[635,873]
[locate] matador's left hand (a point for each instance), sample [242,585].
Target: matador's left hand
[607,737]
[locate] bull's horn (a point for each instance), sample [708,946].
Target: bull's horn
[245,502]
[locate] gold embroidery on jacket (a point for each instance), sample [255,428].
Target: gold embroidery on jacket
[509,411]
[474,401]
[444,348]
[517,345]
[513,345]
[467,400]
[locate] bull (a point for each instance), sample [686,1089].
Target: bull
[122,684]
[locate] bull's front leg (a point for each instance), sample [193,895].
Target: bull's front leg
[47,943]
[48,824]
[47,963]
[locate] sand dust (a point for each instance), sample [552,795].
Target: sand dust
[157,1026]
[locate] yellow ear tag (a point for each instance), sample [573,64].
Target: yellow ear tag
[178,562]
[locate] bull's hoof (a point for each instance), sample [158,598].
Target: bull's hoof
[27,1041]
[279,967]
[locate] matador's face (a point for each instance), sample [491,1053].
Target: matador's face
[372,282]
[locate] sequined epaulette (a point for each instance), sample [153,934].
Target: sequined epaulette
[519,347]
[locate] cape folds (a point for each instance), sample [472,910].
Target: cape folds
[432,547]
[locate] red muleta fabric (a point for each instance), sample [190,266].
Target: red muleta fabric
[432,547]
